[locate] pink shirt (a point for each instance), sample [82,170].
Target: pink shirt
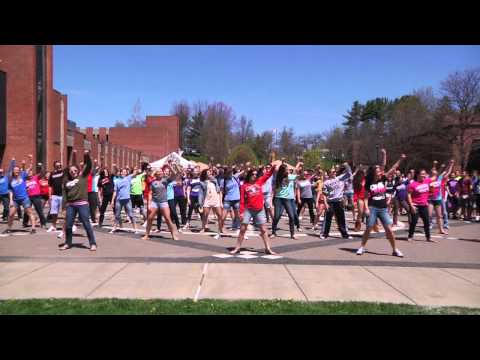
[33,186]
[420,191]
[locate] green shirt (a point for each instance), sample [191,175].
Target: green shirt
[137,185]
[286,191]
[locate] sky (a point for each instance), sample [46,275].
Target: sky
[308,88]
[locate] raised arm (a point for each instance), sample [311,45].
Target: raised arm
[10,168]
[88,163]
[447,172]
[346,174]
[396,165]
[383,164]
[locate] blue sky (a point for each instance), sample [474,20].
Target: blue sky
[306,87]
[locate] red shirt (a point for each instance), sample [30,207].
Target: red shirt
[360,194]
[43,186]
[89,182]
[148,182]
[251,195]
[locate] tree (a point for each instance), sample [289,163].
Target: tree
[288,146]
[137,119]
[242,154]
[244,133]
[262,146]
[119,123]
[216,136]
[193,140]
[182,110]
[463,91]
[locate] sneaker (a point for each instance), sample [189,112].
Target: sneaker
[60,234]
[397,252]
[74,228]
[323,237]
[349,237]
[7,231]
[245,237]
[51,228]
[360,251]
[112,231]
[299,230]
[477,218]
[300,218]
[144,224]
[33,231]
[216,237]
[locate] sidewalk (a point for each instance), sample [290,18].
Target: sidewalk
[88,280]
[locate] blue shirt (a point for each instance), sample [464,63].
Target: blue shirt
[267,186]
[95,183]
[18,187]
[170,191]
[231,188]
[3,185]
[122,187]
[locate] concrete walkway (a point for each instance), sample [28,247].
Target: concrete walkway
[89,280]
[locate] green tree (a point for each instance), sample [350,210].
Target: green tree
[242,154]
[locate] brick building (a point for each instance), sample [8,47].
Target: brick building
[34,119]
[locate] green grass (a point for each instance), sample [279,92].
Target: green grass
[217,307]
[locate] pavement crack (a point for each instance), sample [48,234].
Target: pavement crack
[106,280]
[296,282]
[393,287]
[28,273]
[460,277]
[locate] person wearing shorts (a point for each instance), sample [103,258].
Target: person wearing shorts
[212,200]
[230,192]
[55,182]
[157,199]
[267,195]
[136,192]
[19,196]
[251,206]
[376,206]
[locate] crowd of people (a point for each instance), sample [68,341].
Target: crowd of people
[248,195]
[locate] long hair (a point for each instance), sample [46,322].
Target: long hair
[357,180]
[417,173]
[203,175]
[249,175]
[281,174]
[370,176]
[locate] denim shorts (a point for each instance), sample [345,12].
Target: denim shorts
[381,213]
[158,205]
[267,199]
[26,203]
[56,204]
[231,204]
[259,217]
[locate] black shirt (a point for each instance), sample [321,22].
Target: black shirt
[55,181]
[106,184]
[377,193]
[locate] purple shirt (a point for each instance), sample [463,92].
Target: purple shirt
[453,186]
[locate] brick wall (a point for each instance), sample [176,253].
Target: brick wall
[18,61]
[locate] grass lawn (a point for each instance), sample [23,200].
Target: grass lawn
[217,307]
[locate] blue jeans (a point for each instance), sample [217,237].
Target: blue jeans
[124,203]
[84,214]
[280,204]
[5,199]
[445,213]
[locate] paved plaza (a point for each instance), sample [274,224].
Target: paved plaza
[199,267]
